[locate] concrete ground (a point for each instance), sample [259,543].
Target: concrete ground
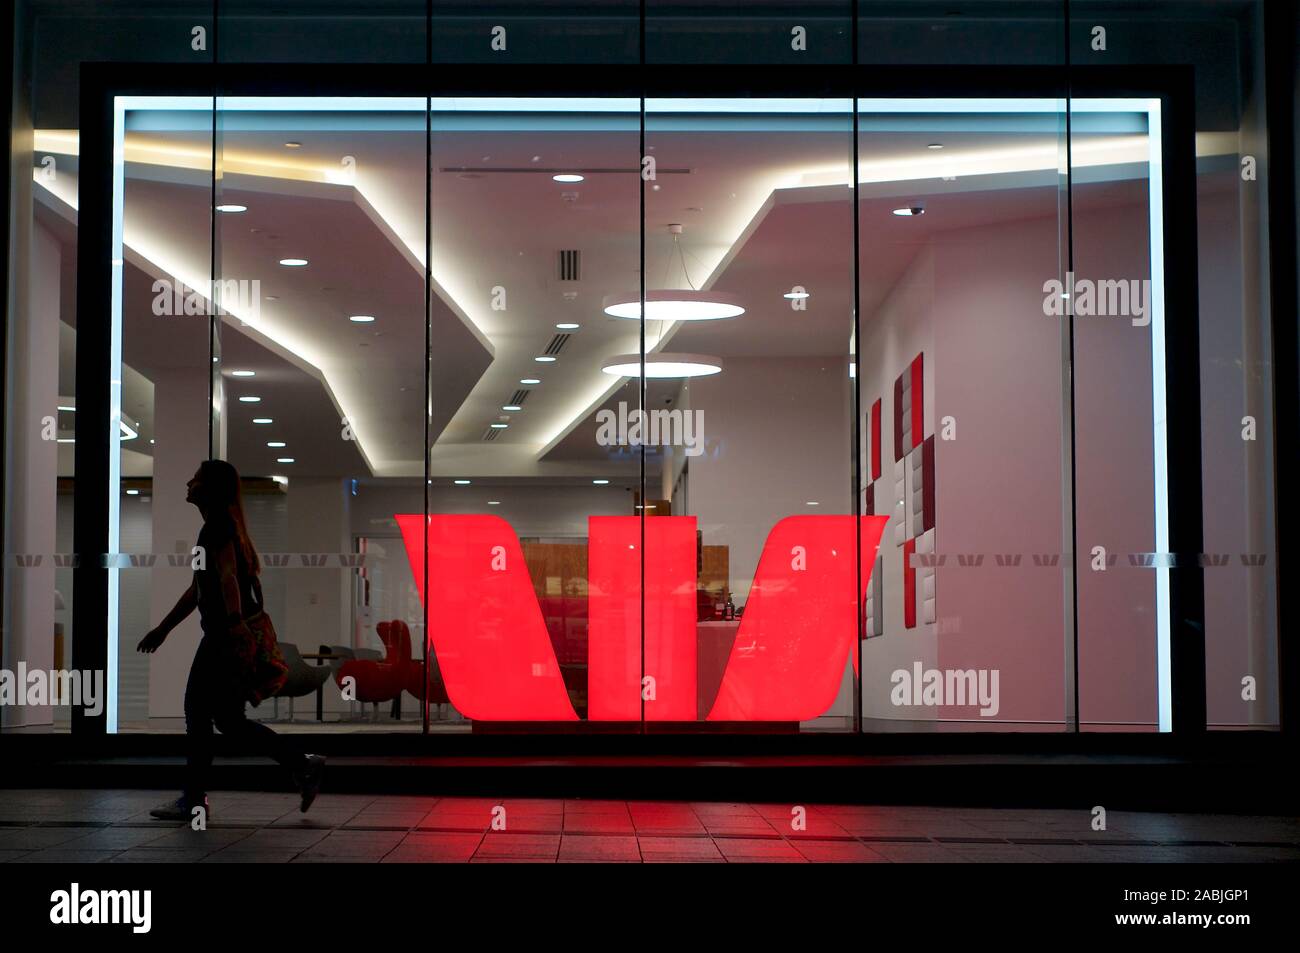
[113,826]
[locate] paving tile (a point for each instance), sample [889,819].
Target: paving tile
[708,808]
[580,806]
[602,848]
[598,823]
[421,848]
[669,828]
[512,860]
[229,856]
[35,838]
[465,805]
[508,845]
[190,855]
[346,844]
[212,839]
[738,826]
[995,854]
[666,859]
[534,823]
[916,853]
[837,852]
[679,848]
[533,805]
[114,838]
[478,821]
[57,855]
[271,838]
[752,850]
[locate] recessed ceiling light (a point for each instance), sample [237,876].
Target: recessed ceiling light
[499,426]
[66,440]
[511,407]
[284,459]
[796,295]
[70,410]
[529,380]
[935,145]
[293,145]
[243,373]
[232,208]
[249,400]
[544,359]
[600,482]
[568,326]
[568,177]
[293,262]
[362,318]
[263,420]
[813,503]
[494,502]
[461,482]
[132,492]
[275,443]
[910,210]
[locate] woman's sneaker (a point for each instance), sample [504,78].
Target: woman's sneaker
[309,780]
[179,810]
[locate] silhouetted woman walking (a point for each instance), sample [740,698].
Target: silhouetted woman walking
[226,591]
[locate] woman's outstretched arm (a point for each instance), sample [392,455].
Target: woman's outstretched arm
[186,604]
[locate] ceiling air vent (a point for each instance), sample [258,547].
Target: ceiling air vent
[557,344]
[491,433]
[517,398]
[569,264]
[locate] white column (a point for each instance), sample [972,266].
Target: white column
[181,435]
[31,484]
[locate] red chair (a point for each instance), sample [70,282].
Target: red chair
[384,680]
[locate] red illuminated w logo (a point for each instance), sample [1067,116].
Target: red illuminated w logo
[787,662]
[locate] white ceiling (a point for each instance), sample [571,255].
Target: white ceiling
[759,218]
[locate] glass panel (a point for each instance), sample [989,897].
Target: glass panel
[320,401]
[534,211]
[1121,458]
[749,276]
[964,408]
[1229,476]
[963,415]
[162,323]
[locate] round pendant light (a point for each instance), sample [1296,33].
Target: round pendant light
[671,304]
[675,306]
[664,364]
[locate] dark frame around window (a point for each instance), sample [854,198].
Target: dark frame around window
[101,83]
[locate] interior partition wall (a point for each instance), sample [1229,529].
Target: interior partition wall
[608,383]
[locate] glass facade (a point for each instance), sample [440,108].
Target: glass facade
[644,368]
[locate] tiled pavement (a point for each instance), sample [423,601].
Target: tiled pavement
[115,827]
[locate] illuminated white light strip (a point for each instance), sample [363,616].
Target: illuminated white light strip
[1160,428]
[750,107]
[1000,105]
[732,106]
[115,413]
[385,104]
